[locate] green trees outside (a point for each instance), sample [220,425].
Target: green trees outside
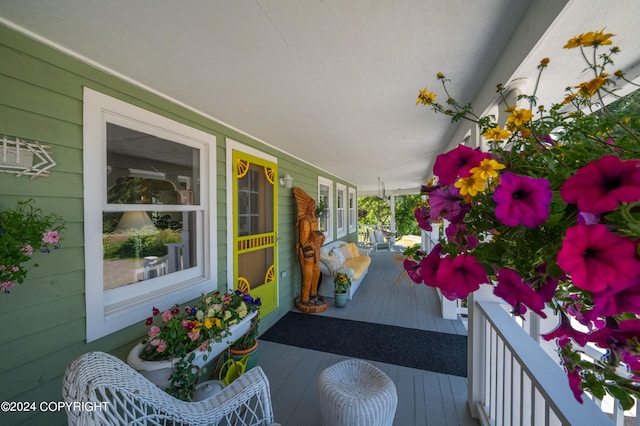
[376,211]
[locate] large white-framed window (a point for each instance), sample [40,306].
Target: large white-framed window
[341,210]
[325,199]
[352,205]
[149,227]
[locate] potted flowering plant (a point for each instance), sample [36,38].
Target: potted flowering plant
[550,216]
[341,282]
[184,338]
[24,231]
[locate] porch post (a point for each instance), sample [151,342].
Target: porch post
[392,206]
[476,349]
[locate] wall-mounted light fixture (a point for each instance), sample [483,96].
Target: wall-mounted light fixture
[286,181]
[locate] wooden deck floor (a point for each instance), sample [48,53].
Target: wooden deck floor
[424,397]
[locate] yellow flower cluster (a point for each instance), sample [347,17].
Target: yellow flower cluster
[482,176]
[592,38]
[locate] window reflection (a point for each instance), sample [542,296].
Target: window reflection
[139,245]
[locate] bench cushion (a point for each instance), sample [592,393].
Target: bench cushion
[359,265]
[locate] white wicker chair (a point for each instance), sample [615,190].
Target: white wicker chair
[101,389]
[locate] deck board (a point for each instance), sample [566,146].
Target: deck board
[424,397]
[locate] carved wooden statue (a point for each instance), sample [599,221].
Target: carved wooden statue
[310,239]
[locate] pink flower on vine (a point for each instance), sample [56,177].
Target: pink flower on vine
[15,268]
[50,237]
[27,249]
[7,285]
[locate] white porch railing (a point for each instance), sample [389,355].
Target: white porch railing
[512,380]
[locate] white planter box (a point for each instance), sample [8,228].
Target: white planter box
[159,372]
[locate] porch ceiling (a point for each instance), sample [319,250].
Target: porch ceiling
[332,82]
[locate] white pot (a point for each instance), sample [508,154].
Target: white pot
[159,372]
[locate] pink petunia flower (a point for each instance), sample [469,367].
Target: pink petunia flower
[599,186]
[598,260]
[27,249]
[166,316]
[457,163]
[457,233]
[50,237]
[446,202]
[429,266]
[459,276]
[564,330]
[522,200]
[153,331]
[162,346]
[612,302]
[422,216]
[518,294]
[413,270]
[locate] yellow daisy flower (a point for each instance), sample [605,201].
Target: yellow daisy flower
[487,168]
[425,97]
[497,134]
[519,118]
[470,186]
[596,38]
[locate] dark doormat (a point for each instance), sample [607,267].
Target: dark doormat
[408,347]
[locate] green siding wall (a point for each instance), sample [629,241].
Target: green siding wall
[42,322]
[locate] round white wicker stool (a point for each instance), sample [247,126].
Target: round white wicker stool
[356,393]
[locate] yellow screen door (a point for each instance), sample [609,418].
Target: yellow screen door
[255,228]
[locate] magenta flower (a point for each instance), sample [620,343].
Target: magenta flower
[585,218]
[457,233]
[457,162]
[617,301]
[413,270]
[575,381]
[429,266]
[422,216]
[599,186]
[522,200]
[50,237]
[518,294]
[597,259]
[446,202]
[459,276]
[565,330]
[549,284]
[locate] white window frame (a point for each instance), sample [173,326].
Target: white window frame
[353,210]
[341,212]
[328,233]
[109,311]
